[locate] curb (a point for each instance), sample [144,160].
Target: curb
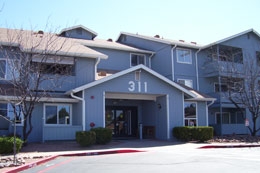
[228,146]
[34,164]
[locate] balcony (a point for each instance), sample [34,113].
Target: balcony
[216,68]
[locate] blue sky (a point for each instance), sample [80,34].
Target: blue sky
[202,21]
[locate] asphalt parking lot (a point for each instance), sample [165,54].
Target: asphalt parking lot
[159,158]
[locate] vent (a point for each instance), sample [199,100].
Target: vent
[193,42]
[157,36]
[110,40]
[181,41]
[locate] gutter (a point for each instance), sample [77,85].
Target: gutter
[83,108]
[173,61]
[197,71]
[207,112]
[95,69]
[149,58]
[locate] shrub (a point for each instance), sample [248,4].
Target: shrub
[86,138]
[103,135]
[200,133]
[7,144]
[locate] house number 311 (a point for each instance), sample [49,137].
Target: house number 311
[139,86]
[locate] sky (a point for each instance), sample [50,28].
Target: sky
[201,21]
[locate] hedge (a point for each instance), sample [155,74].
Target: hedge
[86,138]
[7,145]
[200,133]
[103,135]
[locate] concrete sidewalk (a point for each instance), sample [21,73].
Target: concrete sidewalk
[38,153]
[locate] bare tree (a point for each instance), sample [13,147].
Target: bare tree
[240,72]
[33,70]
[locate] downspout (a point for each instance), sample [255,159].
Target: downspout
[83,108]
[149,59]
[95,70]
[173,61]
[197,71]
[207,112]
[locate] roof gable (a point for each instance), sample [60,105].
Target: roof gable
[93,33]
[231,37]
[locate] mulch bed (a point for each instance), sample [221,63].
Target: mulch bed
[235,139]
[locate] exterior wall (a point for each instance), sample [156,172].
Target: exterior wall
[209,73]
[161,62]
[202,113]
[185,71]
[95,103]
[118,60]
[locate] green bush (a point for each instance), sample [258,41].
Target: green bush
[86,138]
[103,135]
[7,144]
[199,133]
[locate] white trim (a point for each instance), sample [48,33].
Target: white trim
[43,99]
[172,59]
[168,116]
[104,109]
[57,104]
[178,56]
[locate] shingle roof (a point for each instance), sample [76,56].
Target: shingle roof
[231,37]
[111,45]
[46,43]
[162,40]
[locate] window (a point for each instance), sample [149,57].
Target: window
[190,114]
[230,118]
[3,109]
[15,114]
[2,68]
[186,82]
[7,110]
[57,114]
[61,69]
[137,59]
[184,56]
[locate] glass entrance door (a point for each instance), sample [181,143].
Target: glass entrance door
[122,121]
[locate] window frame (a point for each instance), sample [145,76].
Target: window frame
[138,61]
[178,58]
[190,80]
[196,116]
[57,105]
[11,115]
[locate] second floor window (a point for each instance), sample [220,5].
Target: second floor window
[137,59]
[184,56]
